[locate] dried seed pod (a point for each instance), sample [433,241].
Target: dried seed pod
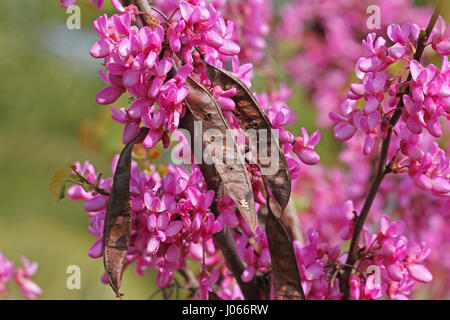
[250,116]
[285,275]
[227,174]
[117,228]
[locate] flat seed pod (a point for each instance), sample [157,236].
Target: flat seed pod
[285,275]
[117,228]
[250,116]
[227,172]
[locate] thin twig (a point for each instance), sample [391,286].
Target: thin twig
[94,186]
[227,245]
[191,282]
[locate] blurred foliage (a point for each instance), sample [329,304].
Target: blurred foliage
[49,119]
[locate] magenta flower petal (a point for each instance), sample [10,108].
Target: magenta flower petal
[371,105]
[229,48]
[101,49]
[213,39]
[151,60]
[395,271]
[173,228]
[248,274]
[308,156]
[67,3]
[344,131]
[117,4]
[369,144]
[420,273]
[397,51]
[96,250]
[443,47]
[130,132]
[151,139]
[98,3]
[96,204]
[314,271]
[173,253]
[130,78]
[153,245]
[109,95]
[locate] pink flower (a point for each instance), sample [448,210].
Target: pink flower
[163,230]
[206,280]
[98,4]
[67,3]
[401,36]
[6,272]
[304,147]
[28,287]
[344,129]
[441,37]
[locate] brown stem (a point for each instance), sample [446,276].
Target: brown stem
[145,7]
[189,277]
[383,168]
[227,245]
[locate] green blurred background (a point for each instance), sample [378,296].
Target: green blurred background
[49,119]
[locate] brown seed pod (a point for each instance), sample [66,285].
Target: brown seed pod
[250,116]
[285,275]
[117,228]
[227,174]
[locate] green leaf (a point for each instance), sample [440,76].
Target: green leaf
[62,192]
[57,184]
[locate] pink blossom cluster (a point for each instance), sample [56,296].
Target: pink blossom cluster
[171,223]
[138,61]
[172,220]
[255,262]
[280,115]
[389,265]
[423,109]
[321,202]
[323,40]
[169,214]
[251,23]
[315,260]
[400,263]
[21,275]
[427,219]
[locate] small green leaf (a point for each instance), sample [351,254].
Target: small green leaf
[57,184]
[62,192]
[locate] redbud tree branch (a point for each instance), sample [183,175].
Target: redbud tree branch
[383,168]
